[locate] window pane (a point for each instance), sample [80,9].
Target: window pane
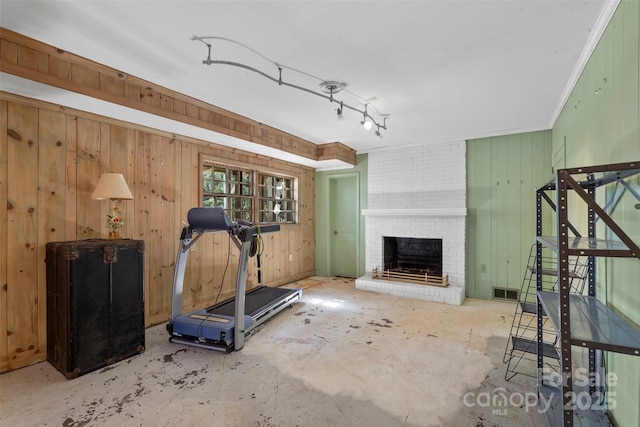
[219,187]
[207,185]
[246,204]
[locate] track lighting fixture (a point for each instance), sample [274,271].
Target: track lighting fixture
[328,88]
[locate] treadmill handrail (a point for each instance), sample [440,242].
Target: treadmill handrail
[242,233]
[186,242]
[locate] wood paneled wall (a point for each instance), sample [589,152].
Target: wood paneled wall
[51,159]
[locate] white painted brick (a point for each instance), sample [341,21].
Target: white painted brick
[424,177]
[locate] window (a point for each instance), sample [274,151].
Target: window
[276,202]
[228,188]
[254,196]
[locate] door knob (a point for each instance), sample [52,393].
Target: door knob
[335,231]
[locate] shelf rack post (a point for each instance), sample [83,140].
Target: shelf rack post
[563,288]
[591,267]
[539,308]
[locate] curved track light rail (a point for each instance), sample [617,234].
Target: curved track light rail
[281,82]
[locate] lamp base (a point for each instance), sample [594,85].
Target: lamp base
[114,235]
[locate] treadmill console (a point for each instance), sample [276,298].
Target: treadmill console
[208,219]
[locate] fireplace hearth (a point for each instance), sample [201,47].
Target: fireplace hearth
[445,226]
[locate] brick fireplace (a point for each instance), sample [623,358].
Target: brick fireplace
[417,192]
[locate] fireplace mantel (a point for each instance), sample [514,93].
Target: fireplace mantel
[416,212]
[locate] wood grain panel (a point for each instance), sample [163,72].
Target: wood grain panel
[154,238]
[33,59]
[103,206]
[141,195]
[208,278]
[191,163]
[71,153]
[22,230]
[8,52]
[129,169]
[51,199]
[169,234]
[4,156]
[91,219]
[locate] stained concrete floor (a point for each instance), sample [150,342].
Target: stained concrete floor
[339,357]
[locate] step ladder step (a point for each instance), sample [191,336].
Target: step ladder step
[552,272]
[529,307]
[530,346]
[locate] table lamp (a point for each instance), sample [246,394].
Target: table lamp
[112,186]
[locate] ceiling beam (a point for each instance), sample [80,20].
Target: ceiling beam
[33,60]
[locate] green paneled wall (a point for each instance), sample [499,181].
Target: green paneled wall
[502,174]
[600,124]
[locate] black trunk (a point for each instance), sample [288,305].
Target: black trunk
[95,303]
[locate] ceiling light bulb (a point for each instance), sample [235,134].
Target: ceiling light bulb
[367,123]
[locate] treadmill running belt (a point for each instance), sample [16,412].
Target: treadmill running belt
[255,300]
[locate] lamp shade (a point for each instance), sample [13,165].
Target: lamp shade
[112,186]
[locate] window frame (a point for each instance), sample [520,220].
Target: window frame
[237,210]
[282,197]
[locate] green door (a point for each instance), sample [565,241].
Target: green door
[345,217]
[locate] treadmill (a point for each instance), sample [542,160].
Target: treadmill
[224,326]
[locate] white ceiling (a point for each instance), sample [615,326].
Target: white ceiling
[443,70]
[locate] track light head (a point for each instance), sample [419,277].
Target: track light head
[339,111]
[366,122]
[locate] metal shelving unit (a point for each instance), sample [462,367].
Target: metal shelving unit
[581,320]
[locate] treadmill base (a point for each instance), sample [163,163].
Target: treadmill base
[214,327]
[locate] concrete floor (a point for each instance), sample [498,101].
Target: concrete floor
[340,357]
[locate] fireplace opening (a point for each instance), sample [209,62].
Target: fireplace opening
[412,255]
